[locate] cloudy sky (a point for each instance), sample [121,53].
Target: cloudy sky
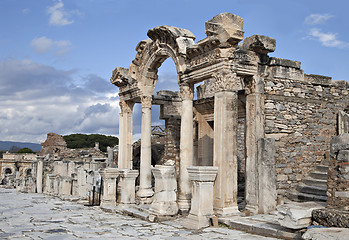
[56,56]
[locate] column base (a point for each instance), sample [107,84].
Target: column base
[184,205]
[227,211]
[145,195]
[251,209]
[105,203]
[164,208]
[196,222]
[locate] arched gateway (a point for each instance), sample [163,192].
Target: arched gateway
[233,79]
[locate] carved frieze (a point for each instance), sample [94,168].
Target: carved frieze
[226,80]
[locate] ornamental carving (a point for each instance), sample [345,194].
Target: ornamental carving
[187,92]
[146,101]
[226,80]
[126,107]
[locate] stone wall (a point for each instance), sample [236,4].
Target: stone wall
[301,115]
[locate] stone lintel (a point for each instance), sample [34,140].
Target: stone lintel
[284,62]
[318,79]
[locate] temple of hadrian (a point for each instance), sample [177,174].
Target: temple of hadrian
[242,122]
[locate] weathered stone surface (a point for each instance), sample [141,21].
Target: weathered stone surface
[326,234]
[318,79]
[226,26]
[297,215]
[260,44]
[331,217]
[202,201]
[164,201]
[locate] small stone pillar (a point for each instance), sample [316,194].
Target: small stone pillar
[164,203]
[127,186]
[109,176]
[145,191]
[202,201]
[39,172]
[125,135]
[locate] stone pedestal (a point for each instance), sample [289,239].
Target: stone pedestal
[145,191]
[202,200]
[65,186]
[109,177]
[127,186]
[164,203]
[39,174]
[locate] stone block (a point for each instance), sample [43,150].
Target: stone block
[164,203]
[326,233]
[318,79]
[340,142]
[260,44]
[297,215]
[331,217]
[343,156]
[226,26]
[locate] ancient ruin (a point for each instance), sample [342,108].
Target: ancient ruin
[258,125]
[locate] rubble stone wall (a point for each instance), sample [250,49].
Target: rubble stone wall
[302,117]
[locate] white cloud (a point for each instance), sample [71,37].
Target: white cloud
[44,45]
[26,11]
[313,19]
[36,99]
[326,39]
[58,15]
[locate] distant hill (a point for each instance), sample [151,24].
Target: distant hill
[6,145]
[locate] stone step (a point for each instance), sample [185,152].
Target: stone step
[133,212]
[315,182]
[319,175]
[322,168]
[322,191]
[263,227]
[300,197]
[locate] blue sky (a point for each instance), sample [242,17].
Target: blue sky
[56,56]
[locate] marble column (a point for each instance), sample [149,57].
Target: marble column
[109,178]
[202,201]
[145,191]
[125,135]
[39,172]
[165,199]
[186,147]
[254,132]
[127,186]
[225,142]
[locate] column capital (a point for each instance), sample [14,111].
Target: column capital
[146,101]
[186,91]
[126,106]
[227,80]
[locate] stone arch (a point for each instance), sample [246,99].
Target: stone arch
[164,42]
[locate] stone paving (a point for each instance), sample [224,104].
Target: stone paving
[38,216]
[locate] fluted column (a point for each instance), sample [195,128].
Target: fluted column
[145,191]
[186,147]
[225,141]
[125,135]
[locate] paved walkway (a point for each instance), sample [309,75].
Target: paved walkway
[37,216]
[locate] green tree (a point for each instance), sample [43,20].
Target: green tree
[25,150]
[88,141]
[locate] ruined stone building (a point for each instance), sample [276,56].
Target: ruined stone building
[258,124]
[261,120]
